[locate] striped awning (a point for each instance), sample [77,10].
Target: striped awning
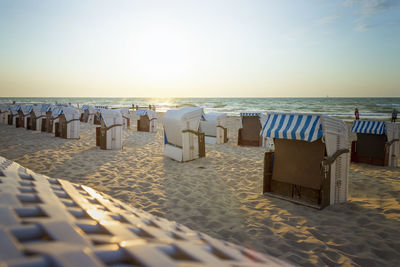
[45,108]
[27,109]
[369,127]
[250,114]
[293,126]
[100,107]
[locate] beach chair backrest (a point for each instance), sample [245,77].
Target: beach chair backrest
[251,128]
[299,162]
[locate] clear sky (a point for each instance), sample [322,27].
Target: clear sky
[266,48]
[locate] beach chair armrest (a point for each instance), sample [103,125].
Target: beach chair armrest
[332,158]
[388,144]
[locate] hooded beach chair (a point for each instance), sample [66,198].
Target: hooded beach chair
[249,134]
[36,118]
[26,110]
[182,139]
[126,120]
[88,114]
[68,123]
[377,143]
[147,121]
[310,163]
[18,116]
[46,120]
[109,134]
[214,128]
[4,112]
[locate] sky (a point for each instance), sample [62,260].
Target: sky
[220,48]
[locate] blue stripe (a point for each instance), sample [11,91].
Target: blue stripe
[165,138]
[271,126]
[299,120]
[265,125]
[279,126]
[312,130]
[306,124]
[291,117]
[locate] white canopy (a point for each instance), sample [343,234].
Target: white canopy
[175,121]
[70,113]
[215,117]
[111,117]
[37,109]
[150,113]
[124,111]
[27,109]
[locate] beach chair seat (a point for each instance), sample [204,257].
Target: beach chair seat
[309,165]
[249,133]
[376,144]
[147,120]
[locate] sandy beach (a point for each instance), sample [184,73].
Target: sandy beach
[221,194]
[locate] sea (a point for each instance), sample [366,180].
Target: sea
[369,108]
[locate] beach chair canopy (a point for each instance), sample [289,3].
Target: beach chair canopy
[304,127]
[110,117]
[45,108]
[70,113]
[3,108]
[369,127]
[262,117]
[124,111]
[215,117]
[100,107]
[175,121]
[37,110]
[15,109]
[57,111]
[147,112]
[27,109]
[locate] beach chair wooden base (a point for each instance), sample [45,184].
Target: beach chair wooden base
[10,119]
[293,172]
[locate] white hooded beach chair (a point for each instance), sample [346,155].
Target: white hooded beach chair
[377,143]
[147,121]
[214,128]
[310,163]
[4,112]
[46,120]
[249,134]
[182,138]
[109,134]
[126,120]
[55,119]
[68,123]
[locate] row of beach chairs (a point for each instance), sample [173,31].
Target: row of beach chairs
[316,146]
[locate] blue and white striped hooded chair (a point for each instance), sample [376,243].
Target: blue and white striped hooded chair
[377,143]
[310,163]
[27,109]
[36,118]
[214,128]
[88,113]
[182,138]
[4,112]
[19,116]
[109,134]
[147,121]
[249,133]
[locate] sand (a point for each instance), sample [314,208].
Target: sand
[221,195]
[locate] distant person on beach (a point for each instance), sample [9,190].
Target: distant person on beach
[394,115]
[356,114]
